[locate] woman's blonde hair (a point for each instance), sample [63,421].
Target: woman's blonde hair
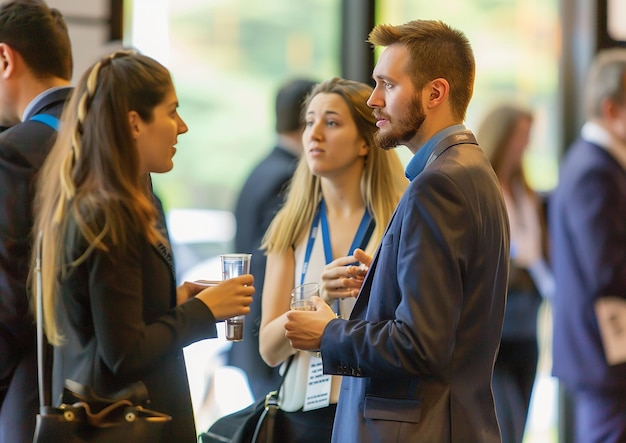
[91,178]
[382,181]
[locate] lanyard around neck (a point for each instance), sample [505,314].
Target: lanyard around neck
[365,229]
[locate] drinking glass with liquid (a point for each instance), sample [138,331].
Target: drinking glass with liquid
[234,265]
[301,296]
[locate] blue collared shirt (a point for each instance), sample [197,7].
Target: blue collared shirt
[420,159]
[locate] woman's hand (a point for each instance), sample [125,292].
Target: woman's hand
[229,298]
[188,290]
[340,280]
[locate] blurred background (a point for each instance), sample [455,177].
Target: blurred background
[228,58]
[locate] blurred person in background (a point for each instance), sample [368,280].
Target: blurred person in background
[259,199]
[504,135]
[587,221]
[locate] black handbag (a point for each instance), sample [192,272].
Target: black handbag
[84,416]
[257,423]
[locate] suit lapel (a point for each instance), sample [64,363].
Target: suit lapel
[364,293]
[166,254]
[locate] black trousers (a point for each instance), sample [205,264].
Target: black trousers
[513,379]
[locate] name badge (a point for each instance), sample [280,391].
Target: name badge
[318,386]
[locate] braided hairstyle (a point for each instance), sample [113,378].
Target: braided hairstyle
[91,178]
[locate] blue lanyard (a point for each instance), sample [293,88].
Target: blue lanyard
[47,119]
[320,214]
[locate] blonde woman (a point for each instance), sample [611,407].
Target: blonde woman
[111,306]
[341,197]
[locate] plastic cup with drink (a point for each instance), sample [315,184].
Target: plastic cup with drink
[301,296]
[234,265]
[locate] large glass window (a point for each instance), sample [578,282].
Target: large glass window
[228,59]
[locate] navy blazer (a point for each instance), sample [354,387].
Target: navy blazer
[417,353]
[588,246]
[259,200]
[23,149]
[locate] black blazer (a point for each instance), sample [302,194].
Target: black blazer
[23,149]
[121,324]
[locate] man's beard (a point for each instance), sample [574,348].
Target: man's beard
[402,129]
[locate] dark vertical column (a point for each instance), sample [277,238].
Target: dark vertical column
[116,20]
[579,43]
[357,56]
[584,33]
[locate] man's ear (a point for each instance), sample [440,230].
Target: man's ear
[438,91]
[134,120]
[7,60]
[610,108]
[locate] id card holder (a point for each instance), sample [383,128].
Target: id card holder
[317,394]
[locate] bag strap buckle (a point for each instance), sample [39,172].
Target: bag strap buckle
[271,400]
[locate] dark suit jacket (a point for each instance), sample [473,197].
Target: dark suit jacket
[588,233]
[121,325]
[259,200]
[23,149]
[417,353]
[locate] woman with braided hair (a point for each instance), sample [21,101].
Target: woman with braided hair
[111,306]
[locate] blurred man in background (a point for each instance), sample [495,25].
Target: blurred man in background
[259,200]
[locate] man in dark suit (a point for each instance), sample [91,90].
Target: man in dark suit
[417,353]
[35,70]
[587,215]
[259,200]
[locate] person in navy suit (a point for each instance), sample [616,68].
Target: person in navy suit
[418,350]
[260,198]
[587,220]
[35,72]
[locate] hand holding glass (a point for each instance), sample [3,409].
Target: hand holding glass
[301,296]
[234,265]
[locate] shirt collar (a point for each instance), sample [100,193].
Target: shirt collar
[419,161]
[30,109]
[592,132]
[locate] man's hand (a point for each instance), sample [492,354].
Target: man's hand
[304,329]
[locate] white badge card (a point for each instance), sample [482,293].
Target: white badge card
[318,386]
[611,313]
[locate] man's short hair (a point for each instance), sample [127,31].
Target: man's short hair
[39,34]
[436,50]
[289,102]
[605,80]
